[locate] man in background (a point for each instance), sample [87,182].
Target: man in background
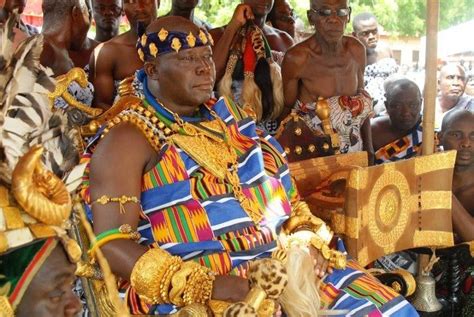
[107,15]
[451,83]
[380,62]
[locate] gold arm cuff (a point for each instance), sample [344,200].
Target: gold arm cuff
[302,219]
[149,271]
[305,239]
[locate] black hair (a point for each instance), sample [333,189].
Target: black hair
[364,16]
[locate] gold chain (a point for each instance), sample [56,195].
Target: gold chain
[232,175]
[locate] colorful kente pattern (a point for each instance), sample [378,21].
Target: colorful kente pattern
[403,148]
[191,213]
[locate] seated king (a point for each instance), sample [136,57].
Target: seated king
[204,196]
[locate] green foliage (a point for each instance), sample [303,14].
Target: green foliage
[398,17]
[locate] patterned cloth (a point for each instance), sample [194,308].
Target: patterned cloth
[347,116]
[374,78]
[188,212]
[403,148]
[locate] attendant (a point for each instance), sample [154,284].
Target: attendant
[451,83]
[65,27]
[107,15]
[380,61]
[330,65]
[457,133]
[283,17]
[399,135]
[256,12]
[247,54]
[117,58]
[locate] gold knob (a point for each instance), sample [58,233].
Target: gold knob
[298,131]
[298,150]
[325,146]
[93,126]
[311,148]
[287,150]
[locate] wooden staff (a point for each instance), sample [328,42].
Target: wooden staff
[430,91]
[431,79]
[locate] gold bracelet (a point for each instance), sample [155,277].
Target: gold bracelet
[149,271]
[305,239]
[178,282]
[199,286]
[104,199]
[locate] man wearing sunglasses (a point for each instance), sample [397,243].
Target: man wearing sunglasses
[330,65]
[380,62]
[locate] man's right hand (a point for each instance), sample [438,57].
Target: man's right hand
[242,13]
[230,288]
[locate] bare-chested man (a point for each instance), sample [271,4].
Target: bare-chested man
[328,65]
[257,11]
[283,17]
[399,135]
[185,9]
[366,29]
[380,62]
[107,16]
[65,26]
[457,133]
[118,59]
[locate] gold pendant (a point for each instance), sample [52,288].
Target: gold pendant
[206,152]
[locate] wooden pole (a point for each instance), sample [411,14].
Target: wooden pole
[431,80]
[430,91]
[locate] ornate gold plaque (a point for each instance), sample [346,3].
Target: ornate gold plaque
[399,206]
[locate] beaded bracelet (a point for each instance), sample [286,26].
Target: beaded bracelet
[125,231]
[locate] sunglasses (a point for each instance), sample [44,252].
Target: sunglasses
[343,12]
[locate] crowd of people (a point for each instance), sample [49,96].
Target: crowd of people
[185,182]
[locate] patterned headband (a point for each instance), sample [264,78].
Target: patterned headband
[163,42]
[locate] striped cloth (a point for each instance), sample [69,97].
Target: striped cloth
[403,148]
[188,212]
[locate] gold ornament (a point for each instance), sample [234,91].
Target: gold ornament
[141,55]
[203,37]
[163,34]
[191,39]
[122,200]
[38,191]
[178,282]
[5,307]
[148,272]
[176,44]
[153,49]
[144,39]
[78,75]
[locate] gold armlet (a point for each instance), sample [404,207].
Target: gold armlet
[122,200]
[161,278]
[125,231]
[308,223]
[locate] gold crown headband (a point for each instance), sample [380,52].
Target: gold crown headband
[150,45]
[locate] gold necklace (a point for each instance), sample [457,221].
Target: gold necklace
[215,154]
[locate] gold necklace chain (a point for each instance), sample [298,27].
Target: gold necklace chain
[227,159]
